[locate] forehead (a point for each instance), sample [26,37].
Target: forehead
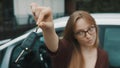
[82,24]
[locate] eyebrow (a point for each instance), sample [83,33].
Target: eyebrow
[79,31]
[83,29]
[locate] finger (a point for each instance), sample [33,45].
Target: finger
[42,25]
[33,7]
[45,12]
[37,12]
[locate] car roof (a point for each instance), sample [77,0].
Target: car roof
[100,18]
[107,18]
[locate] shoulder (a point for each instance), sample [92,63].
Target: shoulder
[102,54]
[101,51]
[102,61]
[63,43]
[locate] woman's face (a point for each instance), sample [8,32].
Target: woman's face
[85,33]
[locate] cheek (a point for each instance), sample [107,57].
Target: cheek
[84,40]
[80,41]
[94,36]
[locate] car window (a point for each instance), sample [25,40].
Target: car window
[101,29]
[112,45]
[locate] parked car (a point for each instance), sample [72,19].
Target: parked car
[109,33]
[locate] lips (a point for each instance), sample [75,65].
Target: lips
[89,41]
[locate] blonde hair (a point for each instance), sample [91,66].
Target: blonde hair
[77,60]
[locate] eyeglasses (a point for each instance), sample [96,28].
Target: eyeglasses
[91,30]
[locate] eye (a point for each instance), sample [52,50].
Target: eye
[80,33]
[91,29]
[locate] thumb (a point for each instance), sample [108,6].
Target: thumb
[42,25]
[46,25]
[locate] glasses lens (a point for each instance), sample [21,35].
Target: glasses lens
[91,30]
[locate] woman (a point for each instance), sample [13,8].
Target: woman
[79,46]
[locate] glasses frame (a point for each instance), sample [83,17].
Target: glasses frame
[82,33]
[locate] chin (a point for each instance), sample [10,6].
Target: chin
[90,44]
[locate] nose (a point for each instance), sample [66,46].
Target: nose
[88,36]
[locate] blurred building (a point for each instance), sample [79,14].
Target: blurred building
[16,16]
[22,8]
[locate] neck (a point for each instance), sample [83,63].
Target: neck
[87,49]
[88,52]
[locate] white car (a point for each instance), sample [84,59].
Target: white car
[109,33]
[4,41]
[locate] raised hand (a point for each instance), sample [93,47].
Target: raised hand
[44,19]
[43,16]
